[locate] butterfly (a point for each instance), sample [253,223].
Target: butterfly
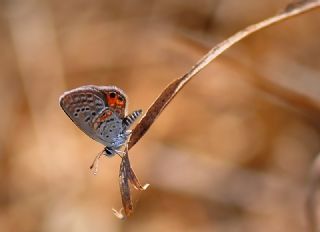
[101,113]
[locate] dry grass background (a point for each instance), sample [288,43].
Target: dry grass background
[232,152]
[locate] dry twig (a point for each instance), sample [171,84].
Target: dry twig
[174,87]
[126,172]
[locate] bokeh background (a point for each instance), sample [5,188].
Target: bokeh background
[232,152]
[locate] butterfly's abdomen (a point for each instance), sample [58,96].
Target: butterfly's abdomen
[131,118]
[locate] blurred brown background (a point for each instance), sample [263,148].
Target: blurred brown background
[232,152]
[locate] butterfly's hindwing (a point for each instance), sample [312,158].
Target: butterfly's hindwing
[108,127]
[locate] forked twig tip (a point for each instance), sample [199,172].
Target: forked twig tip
[119,213]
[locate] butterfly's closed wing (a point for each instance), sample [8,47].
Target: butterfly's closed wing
[85,103]
[82,105]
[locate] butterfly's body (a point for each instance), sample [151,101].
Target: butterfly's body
[101,113]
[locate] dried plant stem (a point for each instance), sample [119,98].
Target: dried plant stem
[173,88]
[126,176]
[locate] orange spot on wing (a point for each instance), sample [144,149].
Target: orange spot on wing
[104,116]
[111,101]
[120,103]
[117,102]
[101,119]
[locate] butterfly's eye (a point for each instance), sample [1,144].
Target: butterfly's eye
[112,95]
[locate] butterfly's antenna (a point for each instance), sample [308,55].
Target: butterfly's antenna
[95,163]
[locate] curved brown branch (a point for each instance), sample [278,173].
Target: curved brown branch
[126,176]
[173,88]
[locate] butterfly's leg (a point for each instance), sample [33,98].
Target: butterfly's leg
[95,162]
[120,153]
[131,118]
